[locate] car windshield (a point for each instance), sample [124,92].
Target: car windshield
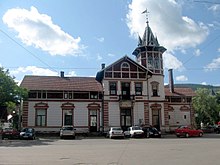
[27,130]
[136,128]
[68,128]
[117,128]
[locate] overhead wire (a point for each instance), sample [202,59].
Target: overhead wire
[27,50]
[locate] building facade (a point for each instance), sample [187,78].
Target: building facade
[125,93]
[55,101]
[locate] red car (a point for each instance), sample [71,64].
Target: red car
[187,131]
[10,133]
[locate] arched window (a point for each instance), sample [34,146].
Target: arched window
[125,66]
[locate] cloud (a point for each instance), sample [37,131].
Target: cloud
[204,83]
[197,52]
[171,62]
[99,57]
[33,70]
[181,78]
[111,55]
[173,30]
[101,39]
[71,74]
[36,29]
[214,65]
[215,8]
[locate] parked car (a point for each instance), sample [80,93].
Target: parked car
[187,131]
[134,131]
[67,131]
[217,129]
[151,132]
[27,133]
[10,133]
[115,132]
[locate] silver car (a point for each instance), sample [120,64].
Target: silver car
[115,132]
[67,131]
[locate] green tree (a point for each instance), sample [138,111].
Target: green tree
[206,107]
[10,92]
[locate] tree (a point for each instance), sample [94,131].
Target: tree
[10,92]
[206,107]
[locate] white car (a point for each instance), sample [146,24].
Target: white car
[115,132]
[67,131]
[134,131]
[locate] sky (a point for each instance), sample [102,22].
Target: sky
[45,37]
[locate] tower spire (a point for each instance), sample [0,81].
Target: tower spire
[146,11]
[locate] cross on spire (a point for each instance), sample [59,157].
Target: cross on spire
[146,11]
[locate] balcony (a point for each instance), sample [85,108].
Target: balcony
[126,101]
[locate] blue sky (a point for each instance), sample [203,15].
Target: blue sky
[46,37]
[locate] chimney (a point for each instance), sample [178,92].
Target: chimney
[62,74]
[171,85]
[103,66]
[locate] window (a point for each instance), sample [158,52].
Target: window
[138,88]
[156,62]
[155,88]
[93,95]
[32,94]
[184,116]
[112,88]
[150,60]
[41,117]
[125,66]
[55,95]
[81,95]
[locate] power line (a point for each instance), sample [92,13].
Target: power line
[209,43]
[59,68]
[27,50]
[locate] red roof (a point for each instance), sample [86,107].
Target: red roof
[59,83]
[179,92]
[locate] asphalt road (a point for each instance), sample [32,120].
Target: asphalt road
[168,150]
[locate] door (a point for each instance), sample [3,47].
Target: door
[156,118]
[67,117]
[126,119]
[93,121]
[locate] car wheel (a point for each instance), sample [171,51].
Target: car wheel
[178,136]
[74,137]
[200,134]
[61,137]
[186,135]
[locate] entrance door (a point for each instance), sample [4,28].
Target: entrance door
[126,119]
[93,121]
[67,117]
[156,118]
[125,90]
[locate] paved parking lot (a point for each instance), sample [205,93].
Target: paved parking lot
[168,150]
